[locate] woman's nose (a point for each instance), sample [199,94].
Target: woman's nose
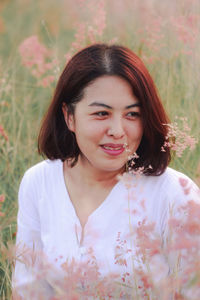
[116,128]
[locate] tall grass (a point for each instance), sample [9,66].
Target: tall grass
[164,33]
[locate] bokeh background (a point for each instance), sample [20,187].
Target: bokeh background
[37,38]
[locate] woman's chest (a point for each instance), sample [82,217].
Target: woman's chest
[109,237]
[104,250]
[107,246]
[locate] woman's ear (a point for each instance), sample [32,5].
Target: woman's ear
[69,118]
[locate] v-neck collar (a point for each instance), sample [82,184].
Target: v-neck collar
[109,201]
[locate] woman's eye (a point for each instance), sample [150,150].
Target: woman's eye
[101,113]
[133,114]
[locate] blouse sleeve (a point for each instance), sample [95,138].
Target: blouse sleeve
[28,241]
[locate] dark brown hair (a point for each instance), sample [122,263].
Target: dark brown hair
[56,141]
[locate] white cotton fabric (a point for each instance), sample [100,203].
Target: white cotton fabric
[47,221]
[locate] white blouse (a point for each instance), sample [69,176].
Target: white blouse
[48,224]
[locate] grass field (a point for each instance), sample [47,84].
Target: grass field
[165,34]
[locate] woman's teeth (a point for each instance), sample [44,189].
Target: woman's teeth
[110,148]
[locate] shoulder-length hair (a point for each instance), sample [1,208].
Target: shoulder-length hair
[56,141]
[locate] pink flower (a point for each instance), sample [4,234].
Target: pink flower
[33,52]
[183,181]
[2,133]
[46,81]
[2,199]
[147,243]
[38,59]
[186,28]
[178,139]
[89,31]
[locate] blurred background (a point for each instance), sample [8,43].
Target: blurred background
[37,38]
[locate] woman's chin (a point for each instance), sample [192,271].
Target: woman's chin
[103,165]
[111,168]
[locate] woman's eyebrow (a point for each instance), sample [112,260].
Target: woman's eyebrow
[110,107]
[100,104]
[133,105]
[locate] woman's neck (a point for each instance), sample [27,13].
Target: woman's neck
[84,172]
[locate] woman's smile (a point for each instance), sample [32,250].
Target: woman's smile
[113,149]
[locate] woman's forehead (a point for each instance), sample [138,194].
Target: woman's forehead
[109,90]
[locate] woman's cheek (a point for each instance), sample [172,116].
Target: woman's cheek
[135,130]
[95,129]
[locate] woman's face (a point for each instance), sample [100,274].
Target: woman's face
[107,118]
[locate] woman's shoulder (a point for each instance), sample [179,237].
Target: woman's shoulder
[41,171]
[171,178]
[43,166]
[171,184]
[178,181]
[177,186]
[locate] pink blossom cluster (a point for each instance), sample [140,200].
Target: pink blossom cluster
[119,253]
[152,38]
[159,22]
[186,28]
[2,199]
[82,280]
[38,59]
[177,254]
[3,133]
[181,253]
[89,31]
[185,242]
[178,139]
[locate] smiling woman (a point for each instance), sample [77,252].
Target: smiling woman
[105,119]
[94,67]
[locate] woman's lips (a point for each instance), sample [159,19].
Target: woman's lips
[113,149]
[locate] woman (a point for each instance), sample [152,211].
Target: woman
[105,119]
